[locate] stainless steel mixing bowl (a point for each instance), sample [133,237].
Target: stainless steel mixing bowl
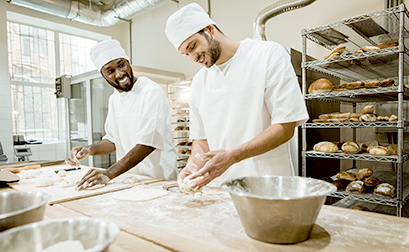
[19,208]
[278,209]
[94,234]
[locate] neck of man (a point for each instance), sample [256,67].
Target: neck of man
[228,49]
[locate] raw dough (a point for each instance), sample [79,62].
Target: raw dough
[187,185]
[69,182]
[31,174]
[130,180]
[44,182]
[61,173]
[66,246]
[140,194]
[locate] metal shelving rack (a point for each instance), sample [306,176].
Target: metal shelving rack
[177,95]
[367,29]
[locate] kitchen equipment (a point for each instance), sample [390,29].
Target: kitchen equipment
[19,208]
[22,152]
[3,157]
[278,209]
[8,177]
[94,234]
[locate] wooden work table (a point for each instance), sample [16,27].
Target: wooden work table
[178,222]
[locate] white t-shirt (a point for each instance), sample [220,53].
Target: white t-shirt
[142,116]
[234,102]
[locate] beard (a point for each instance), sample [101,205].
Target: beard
[214,50]
[127,88]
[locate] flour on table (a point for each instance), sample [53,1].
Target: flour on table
[94,187]
[31,174]
[44,182]
[68,182]
[188,185]
[139,195]
[66,246]
[130,180]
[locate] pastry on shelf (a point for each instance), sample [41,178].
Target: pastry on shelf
[385,189]
[370,183]
[320,86]
[379,151]
[346,175]
[350,147]
[326,147]
[368,145]
[387,83]
[181,151]
[373,84]
[179,128]
[337,51]
[388,44]
[382,118]
[368,110]
[363,173]
[353,85]
[181,144]
[368,118]
[356,187]
[369,48]
[189,143]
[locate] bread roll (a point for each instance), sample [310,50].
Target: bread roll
[324,116]
[385,189]
[369,48]
[337,50]
[373,84]
[350,147]
[393,149]
[346,175]
[354,85]
[360,208]
[368,145]
[353,119]
[320,86]
[355,115]
[179,128]
[359,51]
[382,118]
[356,187]
[368,110]
[393,118]
[368,118]
[326,147]
[388,44]
[363,173]
[371,181]
[333,55]
[387,83]
[340,183]
[319,120]
[379,150]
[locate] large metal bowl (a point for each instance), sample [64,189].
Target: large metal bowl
[94,234]
[19,208]
[278,209]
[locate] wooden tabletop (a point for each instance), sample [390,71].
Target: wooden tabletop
[178,222]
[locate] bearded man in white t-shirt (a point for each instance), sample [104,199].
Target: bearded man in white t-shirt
[245,102]
[138,124]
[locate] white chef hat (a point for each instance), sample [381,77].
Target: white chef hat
[185,22]
[105,51]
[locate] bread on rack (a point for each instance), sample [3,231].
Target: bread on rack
[393,149]
[394,118]
[353,85]
[382,118]
[369,48]
[339,88]
[339,144]
[320,86]
[365,147]
[379,150]
[385,189]
[181,151]
[179,128]
[368,109]
[356,187]
[337,51]
[373,84]
[340,183]
[346,175]
[370,183]
[387,83]
[368,118]
[363,173]
[388,44]
[326,147]
[350,147]
[352,119]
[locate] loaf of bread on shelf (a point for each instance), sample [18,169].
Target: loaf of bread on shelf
[363,173]
[181,151]
[371,181]
[346,175]
[379,150]
[387,83]
[388,44]
[340,183]
[320,86]
[385,189]
[188,152]
[368,118]
[179,128]
[339,88]
[189,143]
[325,146]
[319,120]
[360,208]
[365,147]
[336,51]
[369,48]
[373,84]
[352,119]
[394,118]
[339,143]
[338,120]
[393,149]
[359,51]
[368,109]
[353,85]
[350,147]
[356,187]
[181,144]
[382,118]
[355,115]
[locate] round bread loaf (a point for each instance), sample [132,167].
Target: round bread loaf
[368,110]
[363,173]
[368,145]
[346,175]
[393,149]
[340,184]
[393,118]
[320,86]
[356,187]
[368,118]
[385,189]
[379,150]
[350,147]
[327,147]
[371,181]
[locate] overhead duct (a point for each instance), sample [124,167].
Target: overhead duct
[88,12]
[259,28]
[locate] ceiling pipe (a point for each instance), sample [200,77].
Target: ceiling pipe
[259,27]
[98,15]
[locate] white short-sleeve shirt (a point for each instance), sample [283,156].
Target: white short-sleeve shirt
[142,116]
[234,102]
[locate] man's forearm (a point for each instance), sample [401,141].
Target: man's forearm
[270,138]
[198,146]
[103,147]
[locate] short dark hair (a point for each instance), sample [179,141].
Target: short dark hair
[202,30]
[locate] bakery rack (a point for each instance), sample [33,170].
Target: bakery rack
[368,29]
[178,93]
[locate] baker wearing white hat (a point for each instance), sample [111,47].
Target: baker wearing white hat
[244,104]
[138,124]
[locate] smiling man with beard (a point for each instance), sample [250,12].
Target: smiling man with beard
[244,103]
[138,124]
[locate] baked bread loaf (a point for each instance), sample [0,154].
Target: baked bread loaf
[379,150]
[319,120]
[181,151]
[356,187]
[368,110]
[382,118]
[385,189]
[369,48]
[327,147]
[360,208]
[340,183]
[346,175]
[352,119]
[359,51]
[368,145]
[354,85]
[388,44]
[368,118]
[393,118]
[350,147]
[339,88]
[373,84]
[371,181]
[336,51]
[363,173]
[179,128]
[355,115]
[320,86]
[339,144]
[387,83]
[393,149]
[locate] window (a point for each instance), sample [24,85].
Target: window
[33,66]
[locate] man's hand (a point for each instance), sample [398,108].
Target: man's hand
[93,177]
[77,154]
[189,169]
[220,161]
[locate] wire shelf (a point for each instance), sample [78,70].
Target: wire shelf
[353,125]
[364,157]
[369,198]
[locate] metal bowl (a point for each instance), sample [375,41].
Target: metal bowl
[94,234]
[19,208]
[278,209]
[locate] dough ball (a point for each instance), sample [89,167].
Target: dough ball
[188,185]
[61,173]
[69,182]
[44,182]
[130,180]
[31,174]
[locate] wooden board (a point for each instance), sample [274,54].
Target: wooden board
[60,194]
